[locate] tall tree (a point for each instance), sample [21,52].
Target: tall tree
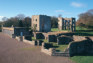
[54,22]
[20,16]
[86,19]
[20,23]
[27,22]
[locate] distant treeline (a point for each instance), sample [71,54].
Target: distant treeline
[22,21]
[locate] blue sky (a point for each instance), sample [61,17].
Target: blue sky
[67,8]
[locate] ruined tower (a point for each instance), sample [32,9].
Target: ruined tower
[67,24]
[41,23]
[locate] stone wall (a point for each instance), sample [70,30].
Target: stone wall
[39,35]
[80,47]
[15,31]
[78,38]
[67,23]
[28,37]
[64,40]
[8,30]
[41,23]
[52,51]
[52,38]
[34,42]
[18,30]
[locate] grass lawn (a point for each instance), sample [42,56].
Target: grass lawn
[33,38]
[56,29]
[61,47]
[79,31]
[84,31]
[82,59]
[58,47]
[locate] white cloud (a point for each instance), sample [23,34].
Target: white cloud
[62,11]
[75,4]
[1,18]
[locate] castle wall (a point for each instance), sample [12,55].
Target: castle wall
[67,23]
[42,22]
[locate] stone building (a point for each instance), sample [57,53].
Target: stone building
[41,23]
[67,24]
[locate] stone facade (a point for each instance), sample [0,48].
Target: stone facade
[52,38]
[15,31]
[67,23]
[18,30]
[81,47]
[39,35]
[8,30]
[78,38]
[64,40]
[41,23]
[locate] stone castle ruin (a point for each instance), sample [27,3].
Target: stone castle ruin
[41,23]
[67,24]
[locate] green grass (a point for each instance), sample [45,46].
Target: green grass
[84,31]
[81,28]
[33,38]
[61,47]
[44,40]
[58,47]
[82,59]
[56,29]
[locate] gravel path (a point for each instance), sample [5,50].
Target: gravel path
[12,51]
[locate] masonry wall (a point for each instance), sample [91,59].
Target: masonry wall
[8,30]
[80,47]
[15,31]
[35,22]
[18,30]
[41,22]
[67,23]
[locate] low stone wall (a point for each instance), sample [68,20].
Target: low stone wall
[35,43]
[8,30]
[61,54]
[78,38]
[18,30]
[52,38]
[47,51]
[30,42]
[15,30]
[80,47]
[39,35]
[64,39]
[52,51]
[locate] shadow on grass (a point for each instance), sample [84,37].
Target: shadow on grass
[55,46]
[84,30]
[83,54]
[83,34]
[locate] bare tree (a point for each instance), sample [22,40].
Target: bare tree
[4,18]
[86,19]
[20,16]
